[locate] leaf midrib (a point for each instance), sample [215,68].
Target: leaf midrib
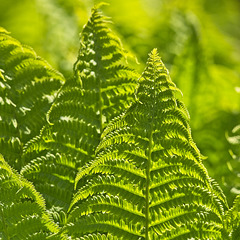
[149,165]
[148,185]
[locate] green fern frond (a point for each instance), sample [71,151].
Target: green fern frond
[28,86]
[102,86]
[147,180]
[22,209]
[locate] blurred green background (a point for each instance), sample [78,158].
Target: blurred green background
[199,41]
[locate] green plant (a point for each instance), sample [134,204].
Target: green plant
[148,172]
[114,158]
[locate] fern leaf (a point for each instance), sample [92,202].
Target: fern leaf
[103,85]
[28,86]
[22,209]
[147,180]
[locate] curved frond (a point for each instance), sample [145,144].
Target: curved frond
[28,85]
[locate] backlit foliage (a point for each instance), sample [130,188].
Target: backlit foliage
[109,152]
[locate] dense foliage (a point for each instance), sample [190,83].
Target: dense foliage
[104,153]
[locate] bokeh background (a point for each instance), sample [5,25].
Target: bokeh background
[199,41]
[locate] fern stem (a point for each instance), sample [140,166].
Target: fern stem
[100,108]
[149,155]
[147,186]
[99,79]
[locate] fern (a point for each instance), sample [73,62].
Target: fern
[28,85]
[22,209]
[148,180]
[103,85]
